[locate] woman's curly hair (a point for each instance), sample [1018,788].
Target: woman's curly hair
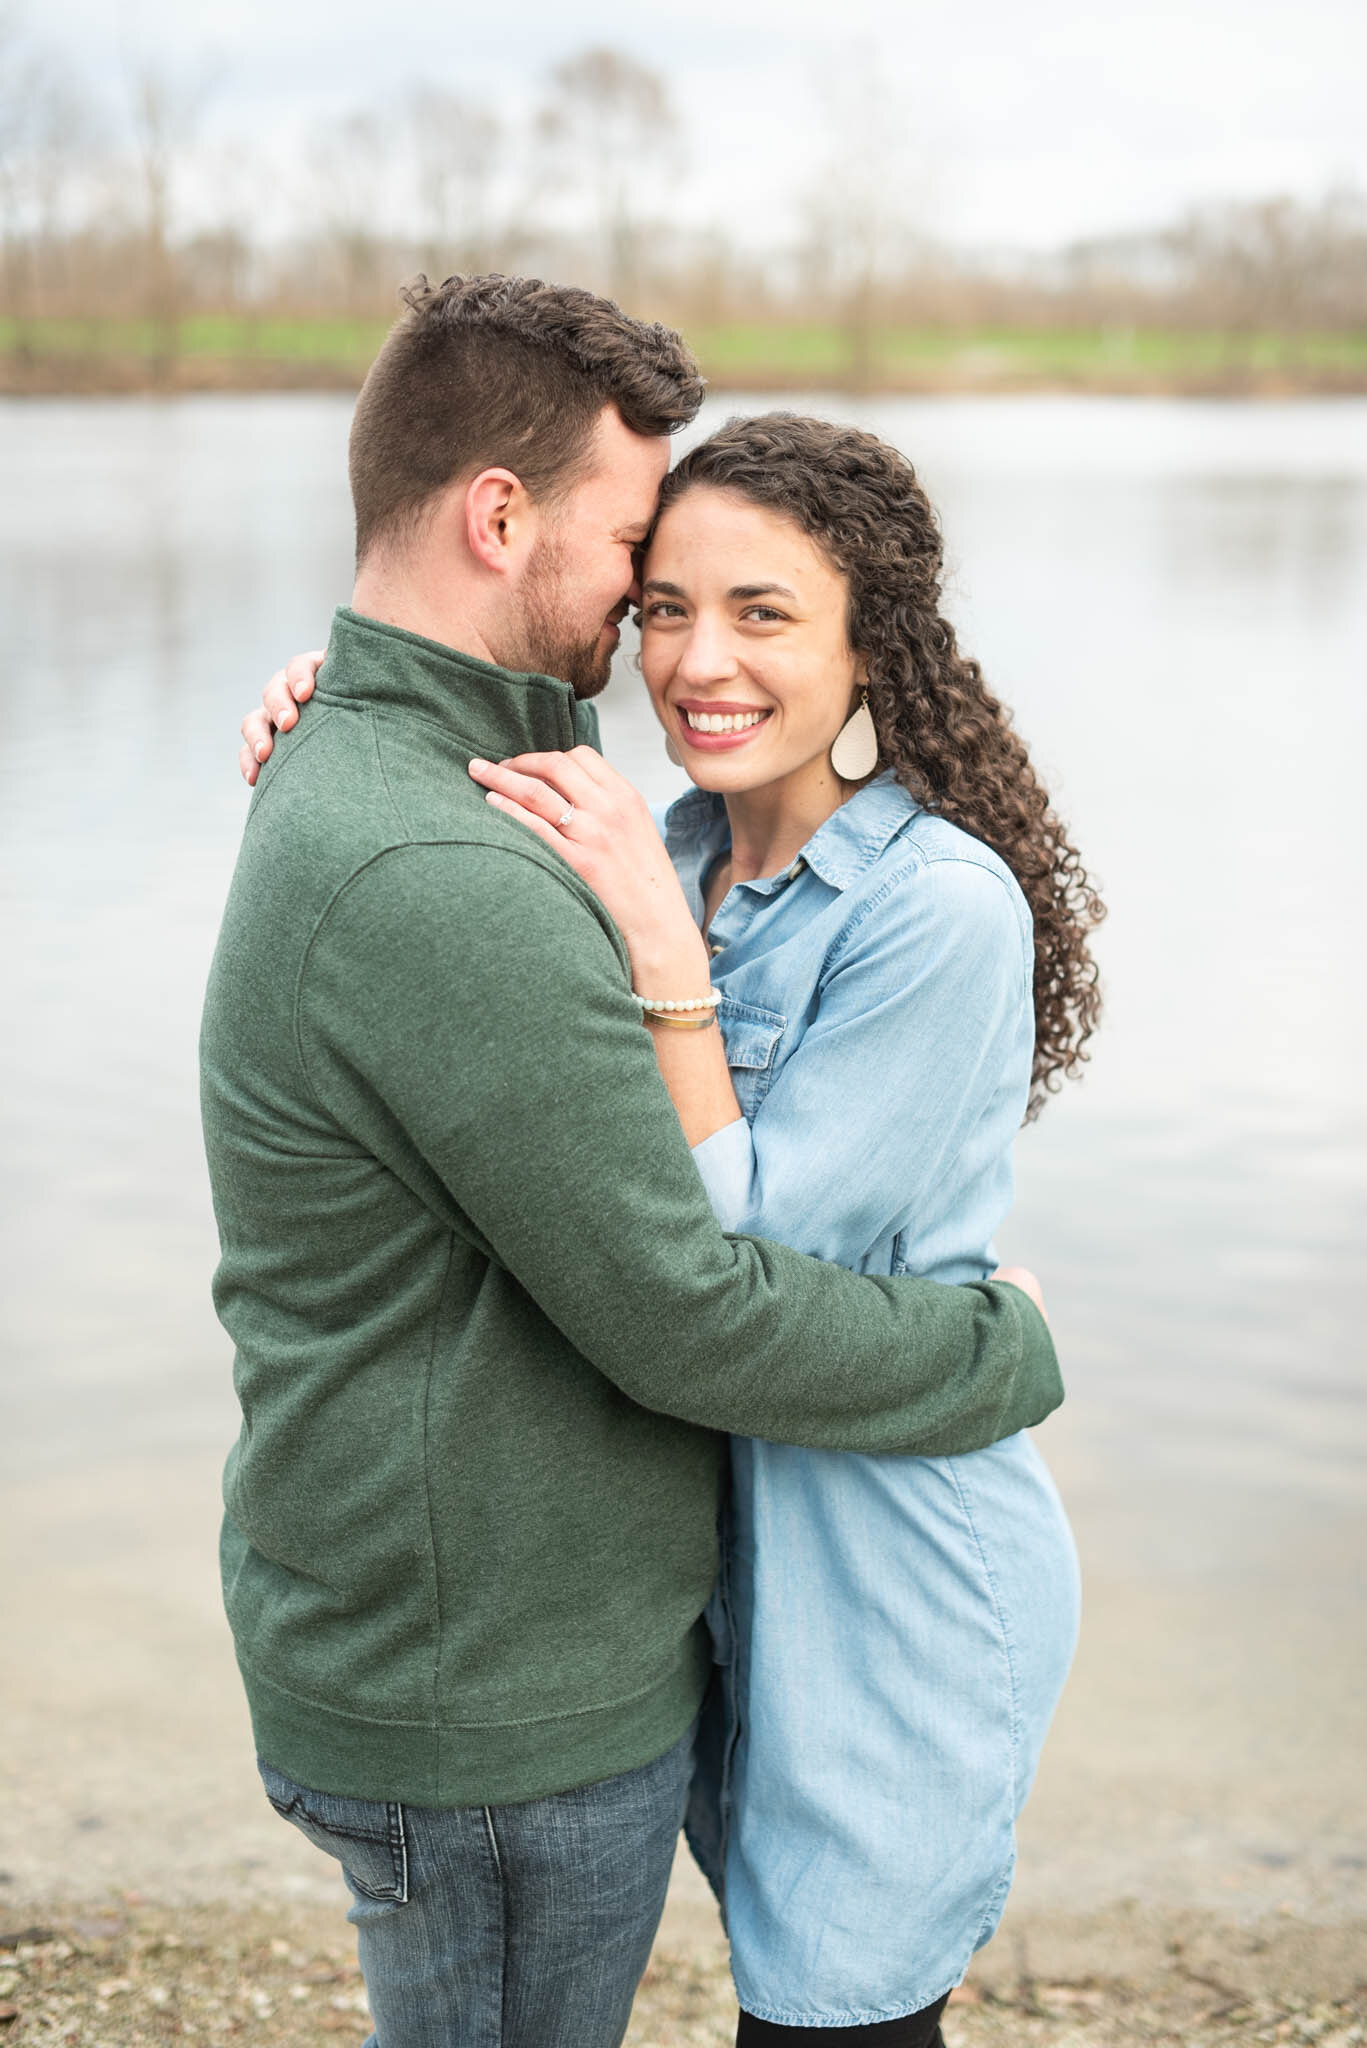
[939,728]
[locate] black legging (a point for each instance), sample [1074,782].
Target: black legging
[917,2030]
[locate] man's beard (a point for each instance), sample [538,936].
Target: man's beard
[546,647]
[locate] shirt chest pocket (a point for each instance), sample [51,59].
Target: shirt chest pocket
[752,1037]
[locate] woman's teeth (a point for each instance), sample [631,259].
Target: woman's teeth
[723,721]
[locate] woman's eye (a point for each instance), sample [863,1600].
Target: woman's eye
[661,608]
[764,614]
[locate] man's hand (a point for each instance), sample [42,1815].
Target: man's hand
[287,689]
[1020,1276]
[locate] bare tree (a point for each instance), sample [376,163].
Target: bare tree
[1274,266]
[224,264]
[67,136]
[21,81]
[605,126]
[1338,239]
[860,209]
[456,148]
[164,108]
[351,161]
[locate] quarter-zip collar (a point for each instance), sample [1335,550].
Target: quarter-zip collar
[492,711]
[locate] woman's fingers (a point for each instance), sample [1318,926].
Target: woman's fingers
[550,783]
[290,687]
[559,772]
[560,796]
[259,733]
[528,792]
[278,710]
[584,766]
[536,823]
[279,702]
[596,768]
[301,672]
[545,783]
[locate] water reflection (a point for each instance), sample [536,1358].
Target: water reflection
[1298,539]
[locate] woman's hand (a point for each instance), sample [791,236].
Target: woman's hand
[597,821]
[287,689]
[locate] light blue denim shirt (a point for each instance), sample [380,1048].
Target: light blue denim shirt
[893,1631]
[876,1007]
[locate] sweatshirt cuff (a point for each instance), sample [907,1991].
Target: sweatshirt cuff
[726,1162]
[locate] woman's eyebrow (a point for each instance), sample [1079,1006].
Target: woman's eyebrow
[740,591]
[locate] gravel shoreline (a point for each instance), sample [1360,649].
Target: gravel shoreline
[134,1974]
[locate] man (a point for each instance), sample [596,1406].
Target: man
[486,1323]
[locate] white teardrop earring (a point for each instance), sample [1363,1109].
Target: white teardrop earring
[675,756]
[854,750]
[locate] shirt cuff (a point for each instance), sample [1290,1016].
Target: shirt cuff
[726,1162]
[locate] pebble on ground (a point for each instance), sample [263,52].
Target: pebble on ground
[135,1975]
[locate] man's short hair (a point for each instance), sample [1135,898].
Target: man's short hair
[503,372]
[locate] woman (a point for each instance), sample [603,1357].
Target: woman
[869,874]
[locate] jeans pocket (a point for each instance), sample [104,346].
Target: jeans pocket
[368,1837]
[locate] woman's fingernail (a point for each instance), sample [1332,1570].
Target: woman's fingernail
[262,749]
[477,766]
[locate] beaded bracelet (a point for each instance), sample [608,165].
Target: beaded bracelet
[656,1005]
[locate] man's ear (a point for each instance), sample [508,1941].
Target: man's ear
[498,520]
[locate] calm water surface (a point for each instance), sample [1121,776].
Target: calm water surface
[1173,598]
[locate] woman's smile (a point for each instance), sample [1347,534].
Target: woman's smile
[717,727]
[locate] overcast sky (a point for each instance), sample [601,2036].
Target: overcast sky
[1028,122]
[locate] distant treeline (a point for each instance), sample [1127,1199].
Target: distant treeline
[134,253]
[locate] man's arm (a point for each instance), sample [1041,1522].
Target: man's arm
[469,997]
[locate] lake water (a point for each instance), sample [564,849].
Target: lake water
[1173,598]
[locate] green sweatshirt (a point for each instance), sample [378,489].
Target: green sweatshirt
[487,1327]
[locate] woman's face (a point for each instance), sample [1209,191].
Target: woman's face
[743,643]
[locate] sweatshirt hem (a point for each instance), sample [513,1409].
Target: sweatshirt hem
[351,1755]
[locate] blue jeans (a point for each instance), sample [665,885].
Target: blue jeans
[524,1926]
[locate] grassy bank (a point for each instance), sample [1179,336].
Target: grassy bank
[225,352]
[130,1975]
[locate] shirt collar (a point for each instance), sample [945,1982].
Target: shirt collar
[494,711]
[841,849]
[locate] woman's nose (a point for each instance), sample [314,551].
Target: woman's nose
[708,654]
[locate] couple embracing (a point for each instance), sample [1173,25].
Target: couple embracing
[632,1428]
